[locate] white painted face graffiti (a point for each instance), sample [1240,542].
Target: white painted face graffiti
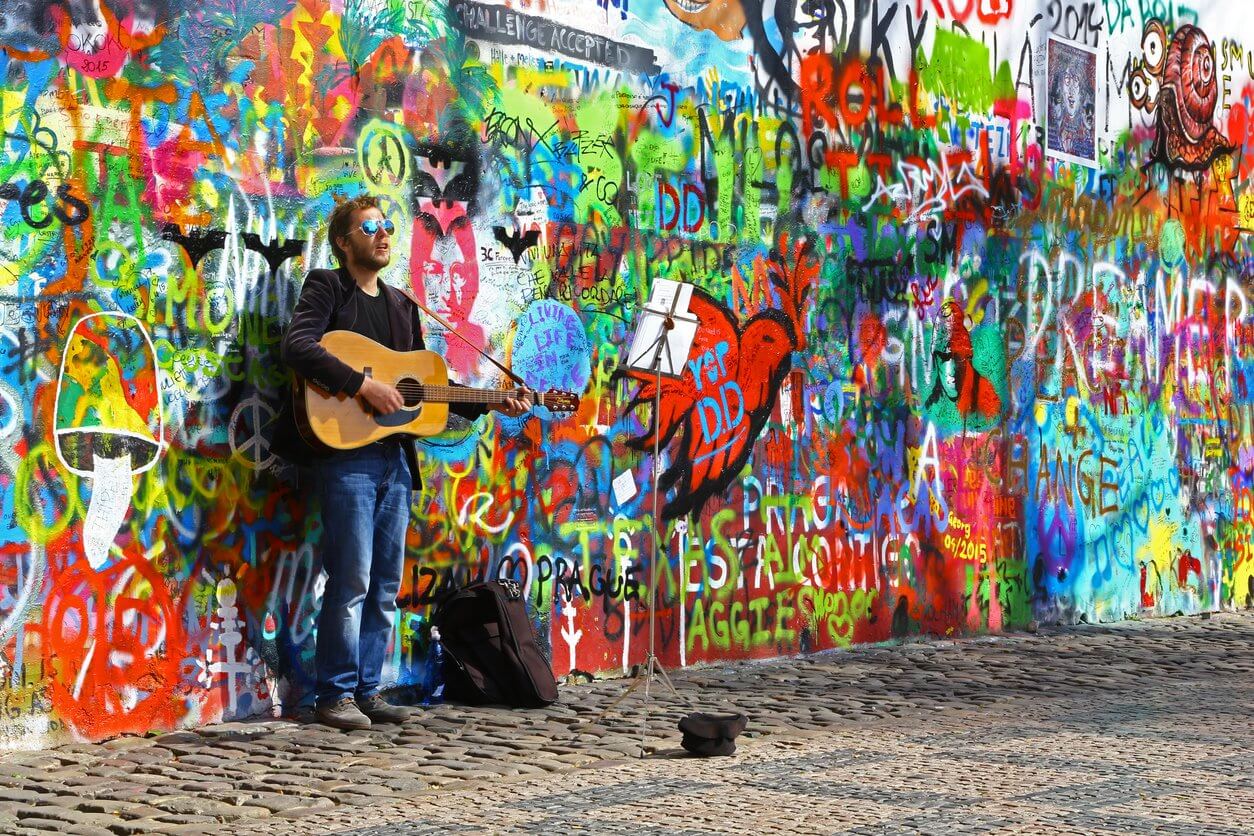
[443,276]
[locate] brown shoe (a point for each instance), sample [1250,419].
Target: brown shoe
[380,710]
[342,714]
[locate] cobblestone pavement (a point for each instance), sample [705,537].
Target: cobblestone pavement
[1137,727]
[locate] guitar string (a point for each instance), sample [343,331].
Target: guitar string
[454,392]
[458,394]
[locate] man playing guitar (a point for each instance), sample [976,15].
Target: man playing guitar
[365,492]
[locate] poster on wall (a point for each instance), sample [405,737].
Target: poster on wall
[1071,120]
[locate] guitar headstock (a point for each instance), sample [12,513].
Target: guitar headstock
[557,401]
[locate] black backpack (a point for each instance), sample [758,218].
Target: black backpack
[490,649]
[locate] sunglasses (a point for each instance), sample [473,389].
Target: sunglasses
[371,227]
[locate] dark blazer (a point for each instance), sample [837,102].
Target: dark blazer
[327,303]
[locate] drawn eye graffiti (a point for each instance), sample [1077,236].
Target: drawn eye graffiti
[1154,45]
[1137,88]
[1143,89]
[1146,80]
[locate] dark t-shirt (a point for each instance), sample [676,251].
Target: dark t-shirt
[372,321]
[372,317]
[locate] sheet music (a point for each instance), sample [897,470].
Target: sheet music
[664,294]
[649,341]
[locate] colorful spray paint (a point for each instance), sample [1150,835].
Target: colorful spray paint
[975,344]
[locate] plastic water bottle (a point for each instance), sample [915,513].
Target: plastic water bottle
[435,668]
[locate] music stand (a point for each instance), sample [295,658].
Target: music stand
[664,334]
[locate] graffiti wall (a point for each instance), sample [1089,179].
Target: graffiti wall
[974,343]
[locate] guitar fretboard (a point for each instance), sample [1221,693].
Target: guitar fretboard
[414,391]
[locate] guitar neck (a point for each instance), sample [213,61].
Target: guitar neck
[465,394]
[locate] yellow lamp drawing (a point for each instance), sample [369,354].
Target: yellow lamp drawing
[108,418]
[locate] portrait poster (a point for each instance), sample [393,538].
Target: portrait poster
[1071,118]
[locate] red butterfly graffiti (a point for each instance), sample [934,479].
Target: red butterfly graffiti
[728,388]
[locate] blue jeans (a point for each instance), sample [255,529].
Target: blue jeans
[365,496]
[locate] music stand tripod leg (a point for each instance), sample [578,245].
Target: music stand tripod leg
[644,673]
[652,665]
[661,670]
[614,703]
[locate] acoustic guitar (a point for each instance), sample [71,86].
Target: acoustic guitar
[346,423]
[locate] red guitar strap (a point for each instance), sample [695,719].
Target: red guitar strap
[450,329]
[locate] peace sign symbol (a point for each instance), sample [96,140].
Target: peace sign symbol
[383,156]
[247,441]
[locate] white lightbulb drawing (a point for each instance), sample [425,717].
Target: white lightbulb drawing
[108,418]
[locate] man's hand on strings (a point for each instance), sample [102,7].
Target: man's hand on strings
[383,398]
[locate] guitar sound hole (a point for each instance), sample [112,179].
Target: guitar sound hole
[411,391]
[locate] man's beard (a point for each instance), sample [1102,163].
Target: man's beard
[367,257]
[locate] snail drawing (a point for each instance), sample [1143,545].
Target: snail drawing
[1176,83]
